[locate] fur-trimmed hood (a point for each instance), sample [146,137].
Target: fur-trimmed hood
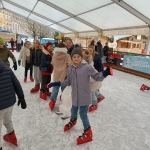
[61,50]
[45,52]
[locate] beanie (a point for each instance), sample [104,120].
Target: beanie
[1,41]
[47,44]
[77,51]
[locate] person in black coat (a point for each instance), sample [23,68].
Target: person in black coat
[46,69]
[99,67]
[99,49]
[12,42]
[9,86]
[69,46]
[105,50]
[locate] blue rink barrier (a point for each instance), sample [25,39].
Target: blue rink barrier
[138,63]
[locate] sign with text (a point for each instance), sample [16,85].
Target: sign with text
[138,63]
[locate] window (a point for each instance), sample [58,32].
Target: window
[6,17]
[3,15]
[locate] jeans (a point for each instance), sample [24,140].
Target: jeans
[55,92]
[98,94]
[83,115]
[94,98]
[5,118]
[45,80]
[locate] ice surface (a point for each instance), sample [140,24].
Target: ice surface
[122,121]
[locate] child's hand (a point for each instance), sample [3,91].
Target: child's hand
[53,84]
[108,71]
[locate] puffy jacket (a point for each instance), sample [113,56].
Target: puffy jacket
[98,63]
[46,67]
[70,50]
[9,86]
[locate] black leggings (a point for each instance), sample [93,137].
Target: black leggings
[45,80]
[28,66]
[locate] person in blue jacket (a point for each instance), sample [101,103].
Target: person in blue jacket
[9,86]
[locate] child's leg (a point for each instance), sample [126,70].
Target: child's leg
[55,91]
[2,112]
[43,84]
[98,94]
[48,81]
[31,70]
[7,120]
[26,70]
[83,114]
[35,75]
[94,98]
[62,88]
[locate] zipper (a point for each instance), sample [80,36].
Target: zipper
[77,86]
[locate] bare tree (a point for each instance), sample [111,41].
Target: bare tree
[30,28]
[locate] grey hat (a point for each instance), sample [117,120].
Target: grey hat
[78,51]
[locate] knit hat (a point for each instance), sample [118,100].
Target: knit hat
[47,44]
[77,51]
[1,41]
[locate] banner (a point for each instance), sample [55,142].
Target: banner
[138,63]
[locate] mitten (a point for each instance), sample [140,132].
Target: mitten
[53,84]
[22,102]
[15,66]
[108,71]
[19,62]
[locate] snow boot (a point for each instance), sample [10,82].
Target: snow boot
[43,96]
[86,136]
[25,79]
[100,99]
[48,93]
[92,108]
[144,87]
[11,138]
[70,125]
[31,79]
[52,104]
[35,89]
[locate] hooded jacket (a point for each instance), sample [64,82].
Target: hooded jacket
[9,86]
[79,79]
[46,67]
[60,61]
[5,54]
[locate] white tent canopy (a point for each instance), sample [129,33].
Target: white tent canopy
[76,16]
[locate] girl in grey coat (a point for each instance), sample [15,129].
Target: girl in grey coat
[78,78]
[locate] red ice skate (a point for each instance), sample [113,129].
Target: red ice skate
[86,136]
[31,79]
[25,79]
[52,104]
[100,99]
[144,87]
[48,93]
[43,96]
[35,89]
[70,125]
[11,138]
[92,108]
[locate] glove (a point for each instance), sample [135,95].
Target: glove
[15,66]
[22,102]
[108,71]
[53,84]
[19,62]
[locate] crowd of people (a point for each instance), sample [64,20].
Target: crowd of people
[82,70]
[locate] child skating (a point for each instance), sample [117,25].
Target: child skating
[78,77]
[9,86]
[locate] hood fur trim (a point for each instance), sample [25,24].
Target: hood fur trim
[45,51]
[63,50]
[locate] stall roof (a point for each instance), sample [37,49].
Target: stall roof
[74,16]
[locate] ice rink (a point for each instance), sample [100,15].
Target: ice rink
[122,121]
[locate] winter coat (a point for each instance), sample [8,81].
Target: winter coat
[70,50]
[79,79]
[98,63]
[23,56]
[46,67]
[32,51]
[9,85]
[105,50]
[95,85]
[100,50]
[60,61]
[12,43]
[5,54]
